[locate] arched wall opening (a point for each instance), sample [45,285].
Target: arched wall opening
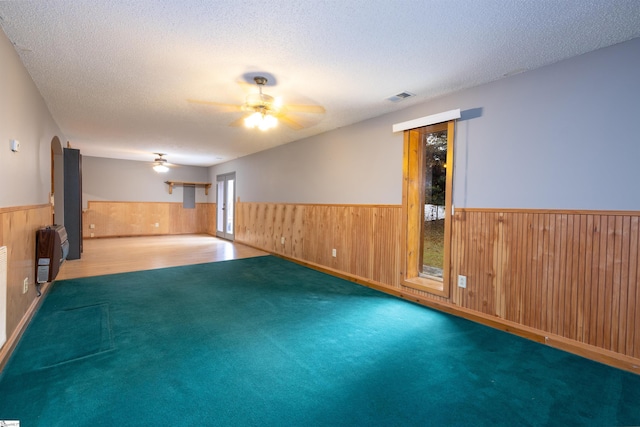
[57,181]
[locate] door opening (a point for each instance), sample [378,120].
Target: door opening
[427,207]
[57,181]
[225,206]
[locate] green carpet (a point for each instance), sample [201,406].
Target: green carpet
[266,342]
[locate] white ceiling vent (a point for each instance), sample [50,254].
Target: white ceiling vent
[400,96]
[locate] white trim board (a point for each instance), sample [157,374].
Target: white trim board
[427,120]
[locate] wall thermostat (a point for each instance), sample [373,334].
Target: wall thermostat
[15,145]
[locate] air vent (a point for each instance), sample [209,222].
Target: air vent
[399,97]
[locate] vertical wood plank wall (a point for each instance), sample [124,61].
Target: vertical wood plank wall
[18,227]
[569,273]
[365,237]
[118,219]
[573,274]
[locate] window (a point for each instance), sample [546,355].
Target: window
[426,203]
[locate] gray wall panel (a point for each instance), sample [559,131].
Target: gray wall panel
[130,181]
[565,136]
[25,175]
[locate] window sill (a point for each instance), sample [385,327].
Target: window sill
[432,286]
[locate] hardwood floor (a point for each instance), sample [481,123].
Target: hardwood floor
[125,254]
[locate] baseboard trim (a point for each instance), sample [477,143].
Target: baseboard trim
[587,351]
[11,343]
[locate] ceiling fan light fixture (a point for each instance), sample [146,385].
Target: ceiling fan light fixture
[261,120]
[268,122]
[263,106]
[159,165]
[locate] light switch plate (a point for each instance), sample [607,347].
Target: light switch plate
[462,281]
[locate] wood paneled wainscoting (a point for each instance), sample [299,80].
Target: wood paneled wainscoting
[365,237]
[18,226]
[119,219]
[565,278]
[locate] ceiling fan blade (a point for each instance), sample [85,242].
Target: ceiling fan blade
[316,109]
[229,107]
[237,123]
[290,122]
[169,165]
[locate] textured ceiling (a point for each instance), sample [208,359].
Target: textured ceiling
[116,76]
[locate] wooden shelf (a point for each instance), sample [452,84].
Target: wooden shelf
[205,185]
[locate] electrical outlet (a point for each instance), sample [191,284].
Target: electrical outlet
[157,224]
[282,240]
[91,235]
[334,253]
[25,285]
[92,226]
[462,281]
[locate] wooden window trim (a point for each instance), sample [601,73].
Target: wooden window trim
[413,210]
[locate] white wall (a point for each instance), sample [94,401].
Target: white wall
[132,181]
[26,175]
[565,136]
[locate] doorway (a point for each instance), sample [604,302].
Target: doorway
[225,207]
[57,182]
[427,207]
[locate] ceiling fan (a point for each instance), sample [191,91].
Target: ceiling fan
[264,111]
[160,164]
